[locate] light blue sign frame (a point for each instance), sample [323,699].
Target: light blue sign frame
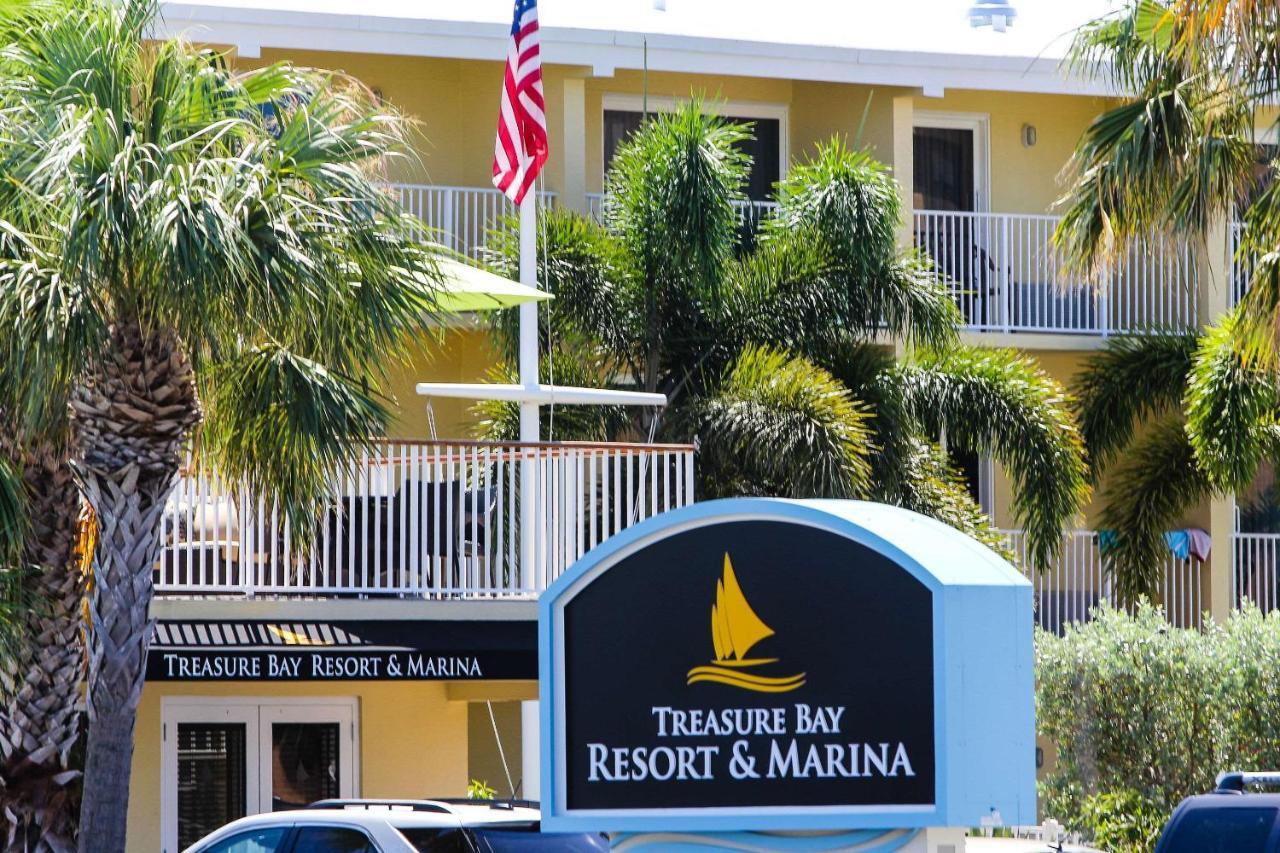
[984,707]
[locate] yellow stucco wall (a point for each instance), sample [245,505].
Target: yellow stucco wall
[412,741]
[462,354]
[1024,180]
[484,758]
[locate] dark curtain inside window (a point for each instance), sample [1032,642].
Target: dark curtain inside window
[764,148]
[942,165]
[211,778]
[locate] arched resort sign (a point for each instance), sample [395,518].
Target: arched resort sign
[763,664]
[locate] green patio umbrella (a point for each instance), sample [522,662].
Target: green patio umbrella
[468,288]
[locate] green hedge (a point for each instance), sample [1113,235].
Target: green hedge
[1144,714]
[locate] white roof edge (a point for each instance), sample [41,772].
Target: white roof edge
[612,49]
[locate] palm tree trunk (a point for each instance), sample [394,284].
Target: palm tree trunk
[131,417]
[40,691]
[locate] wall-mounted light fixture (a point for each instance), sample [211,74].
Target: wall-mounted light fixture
[1028,135]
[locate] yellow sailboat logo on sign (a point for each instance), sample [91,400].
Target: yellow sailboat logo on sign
[735,629]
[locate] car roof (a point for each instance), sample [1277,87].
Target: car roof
[464,812]
[1220,800]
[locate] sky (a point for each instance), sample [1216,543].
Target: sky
[1041,29]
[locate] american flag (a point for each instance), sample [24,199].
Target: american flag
[521,146]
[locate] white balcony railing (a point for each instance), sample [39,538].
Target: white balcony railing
[1005,275]
[422,519]
[751,211]
[1241,268]
[461,217]
[1078,580]
[1255,570]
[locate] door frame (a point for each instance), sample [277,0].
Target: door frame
[252,711]
[980,125]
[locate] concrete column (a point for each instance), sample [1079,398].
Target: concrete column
[574,145]
[530,750]
[1213,300]
[1222,525]
[903,127]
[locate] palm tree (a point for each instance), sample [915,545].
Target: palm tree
[189,257]
[777,360]
[42,672]
[1182,152]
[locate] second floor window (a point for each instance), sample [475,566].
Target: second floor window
[764,148]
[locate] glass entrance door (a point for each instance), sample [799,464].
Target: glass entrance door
[306,754]
[224,758]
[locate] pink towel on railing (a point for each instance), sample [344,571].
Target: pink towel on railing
[1199,543]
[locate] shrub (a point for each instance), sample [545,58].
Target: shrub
[1144,714]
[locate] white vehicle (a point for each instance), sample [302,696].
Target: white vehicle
[398,826]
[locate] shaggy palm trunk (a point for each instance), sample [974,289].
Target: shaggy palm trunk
[131,417]
[41,688]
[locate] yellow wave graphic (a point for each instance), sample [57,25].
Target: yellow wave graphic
[746,680]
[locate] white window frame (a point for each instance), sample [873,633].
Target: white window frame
[980,124]
[256,713]
[737,109]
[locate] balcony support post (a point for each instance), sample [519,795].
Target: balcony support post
[1212,300]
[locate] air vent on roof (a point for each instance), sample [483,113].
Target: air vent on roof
[997,14]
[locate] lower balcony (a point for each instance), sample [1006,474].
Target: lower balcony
[432,520]
[1067,589]
[1006,276]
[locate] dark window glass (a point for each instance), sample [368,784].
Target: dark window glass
[942,168]
[427,840]
[304,764]
[333,839]
[1230,830]
[533,841]
[266,840]
[506,840]
[764,148]
[211,778]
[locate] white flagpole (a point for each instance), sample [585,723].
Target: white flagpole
[528,363]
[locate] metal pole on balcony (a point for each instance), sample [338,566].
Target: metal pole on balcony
[528,364]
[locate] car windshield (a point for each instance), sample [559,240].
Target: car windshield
[1233,830]
[502,840]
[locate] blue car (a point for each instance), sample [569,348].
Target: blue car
[1235,818]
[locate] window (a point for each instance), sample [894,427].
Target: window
[211,779]
[942,167]
[333,839]
[765,148]
[265,840]
[1230,830]
[305,764]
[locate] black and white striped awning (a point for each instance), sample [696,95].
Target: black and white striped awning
[369,650]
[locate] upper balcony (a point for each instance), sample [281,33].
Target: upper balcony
[1006,276]
[427,520]
[1001,268]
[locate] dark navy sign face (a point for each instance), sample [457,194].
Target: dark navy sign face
[749,663]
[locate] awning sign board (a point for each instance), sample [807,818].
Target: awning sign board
[767,664]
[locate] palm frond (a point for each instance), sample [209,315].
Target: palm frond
[1134,377]
[1232,404]
[924,481]
[285,426]
[779,425]
[580,264]
[850,203]
[1001,402]
[672,185]
[1147,494]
